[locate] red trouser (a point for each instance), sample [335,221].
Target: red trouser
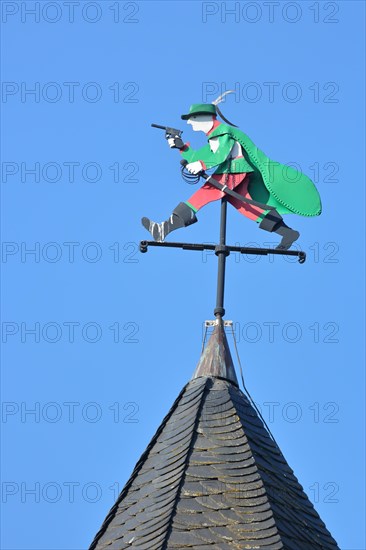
[239,182]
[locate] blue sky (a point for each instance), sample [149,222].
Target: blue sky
[98,339]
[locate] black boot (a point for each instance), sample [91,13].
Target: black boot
[274,223]
[182,216]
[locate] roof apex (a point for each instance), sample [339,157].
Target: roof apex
[216,358]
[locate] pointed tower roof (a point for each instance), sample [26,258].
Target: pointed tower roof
[212,477]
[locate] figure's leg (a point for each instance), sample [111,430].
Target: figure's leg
[184,214]
[273,222]
[269,220]
[240,185]
[206,194]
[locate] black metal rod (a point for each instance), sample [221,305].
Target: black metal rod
[221,251]
[241,249]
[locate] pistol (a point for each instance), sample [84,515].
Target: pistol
[171,133]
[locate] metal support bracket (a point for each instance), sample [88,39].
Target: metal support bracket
[216,322]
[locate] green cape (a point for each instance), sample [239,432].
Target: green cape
[275,184]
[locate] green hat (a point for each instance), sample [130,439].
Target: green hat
[200,109]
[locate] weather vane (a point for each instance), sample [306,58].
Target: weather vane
[259,188]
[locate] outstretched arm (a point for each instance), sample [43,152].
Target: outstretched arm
[206,156]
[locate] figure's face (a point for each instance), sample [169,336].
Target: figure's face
[201,123]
